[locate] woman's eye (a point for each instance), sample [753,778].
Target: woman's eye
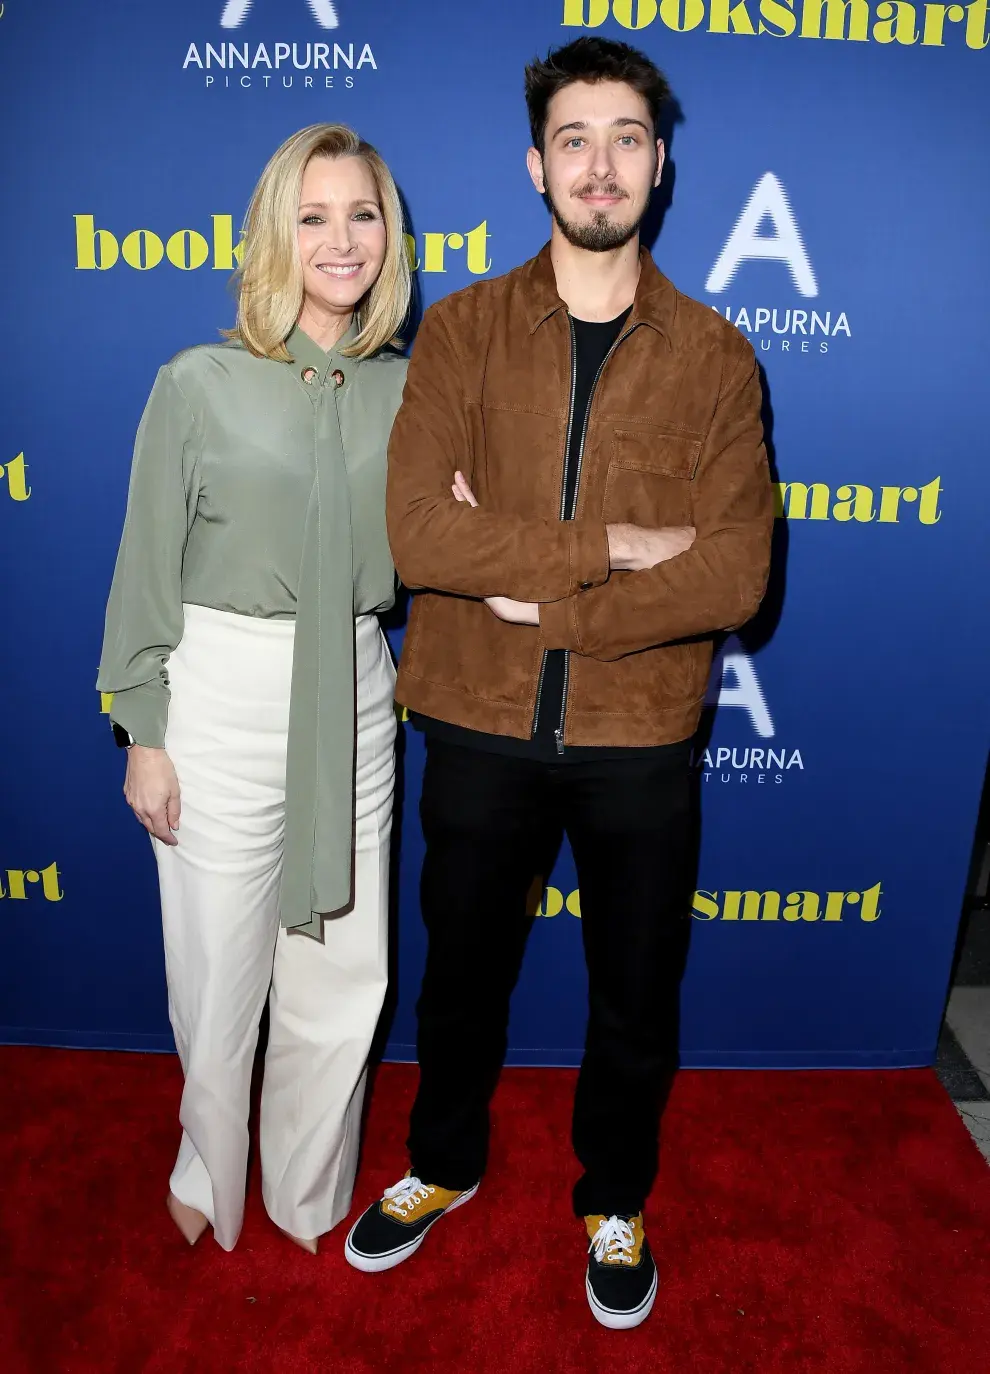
[365,214]
[312,219]
[627,140]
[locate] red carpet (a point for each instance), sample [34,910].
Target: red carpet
[833,1222]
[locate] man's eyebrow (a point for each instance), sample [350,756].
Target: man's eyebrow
[576,124]
[621,123]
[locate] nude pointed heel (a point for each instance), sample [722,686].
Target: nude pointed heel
[191,1223]
[310,1246]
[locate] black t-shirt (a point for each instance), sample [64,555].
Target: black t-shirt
[592,342]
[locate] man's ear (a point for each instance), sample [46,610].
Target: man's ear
[660,159]
[534,163]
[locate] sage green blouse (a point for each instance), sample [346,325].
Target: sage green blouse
[259,487]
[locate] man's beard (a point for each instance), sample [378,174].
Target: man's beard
[601,234]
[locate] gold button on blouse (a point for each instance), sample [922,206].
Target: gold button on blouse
[337,376]
[309,375]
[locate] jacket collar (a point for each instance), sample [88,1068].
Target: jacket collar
[654,304]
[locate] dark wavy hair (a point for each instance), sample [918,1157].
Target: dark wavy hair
[591,60]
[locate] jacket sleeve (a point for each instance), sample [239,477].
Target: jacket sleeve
[144,619]
[442,544]
[719,582]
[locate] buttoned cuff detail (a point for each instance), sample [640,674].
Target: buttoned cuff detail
[142,711]
[558,624]
[588,554]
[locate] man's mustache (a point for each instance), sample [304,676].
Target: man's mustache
[610,188]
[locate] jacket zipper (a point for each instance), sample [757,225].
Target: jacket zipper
[559,732]
[563,497]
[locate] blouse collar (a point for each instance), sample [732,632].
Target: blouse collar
[307,354]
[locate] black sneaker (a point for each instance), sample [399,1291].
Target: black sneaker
[393,1229]
[622,1278]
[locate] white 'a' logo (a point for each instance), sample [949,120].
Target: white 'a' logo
[745,243]
[236,11]
[734,683]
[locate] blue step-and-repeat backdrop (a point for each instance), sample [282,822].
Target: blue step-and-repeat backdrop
[828,194]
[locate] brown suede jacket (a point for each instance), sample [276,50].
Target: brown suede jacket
[673,437]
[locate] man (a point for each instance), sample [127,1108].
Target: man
[578,484]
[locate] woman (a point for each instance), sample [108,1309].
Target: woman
[241,646]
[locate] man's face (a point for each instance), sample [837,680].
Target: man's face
[600,164]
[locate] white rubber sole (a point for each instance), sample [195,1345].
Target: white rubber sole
[377,1264]
[621,1321]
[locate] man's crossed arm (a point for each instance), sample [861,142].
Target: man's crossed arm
[631,548]
[671,583]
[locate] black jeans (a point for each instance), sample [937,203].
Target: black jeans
[492,824]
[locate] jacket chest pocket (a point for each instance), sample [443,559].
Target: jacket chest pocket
[649,478]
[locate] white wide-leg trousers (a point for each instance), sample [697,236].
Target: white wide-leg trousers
[225,951]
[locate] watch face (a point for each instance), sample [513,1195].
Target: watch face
[121,736]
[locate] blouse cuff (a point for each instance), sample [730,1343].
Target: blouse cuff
[142,711]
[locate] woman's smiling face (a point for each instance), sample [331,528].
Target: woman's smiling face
[341,234]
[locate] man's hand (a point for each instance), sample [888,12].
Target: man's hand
[461,490]
[152,791]
[632,548]
[514,612]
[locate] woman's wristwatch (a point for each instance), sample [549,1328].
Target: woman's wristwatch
[122,738]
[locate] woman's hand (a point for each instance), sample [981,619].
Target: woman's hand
[152,791]
[512,612]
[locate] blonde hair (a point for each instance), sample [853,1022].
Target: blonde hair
[269,281]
